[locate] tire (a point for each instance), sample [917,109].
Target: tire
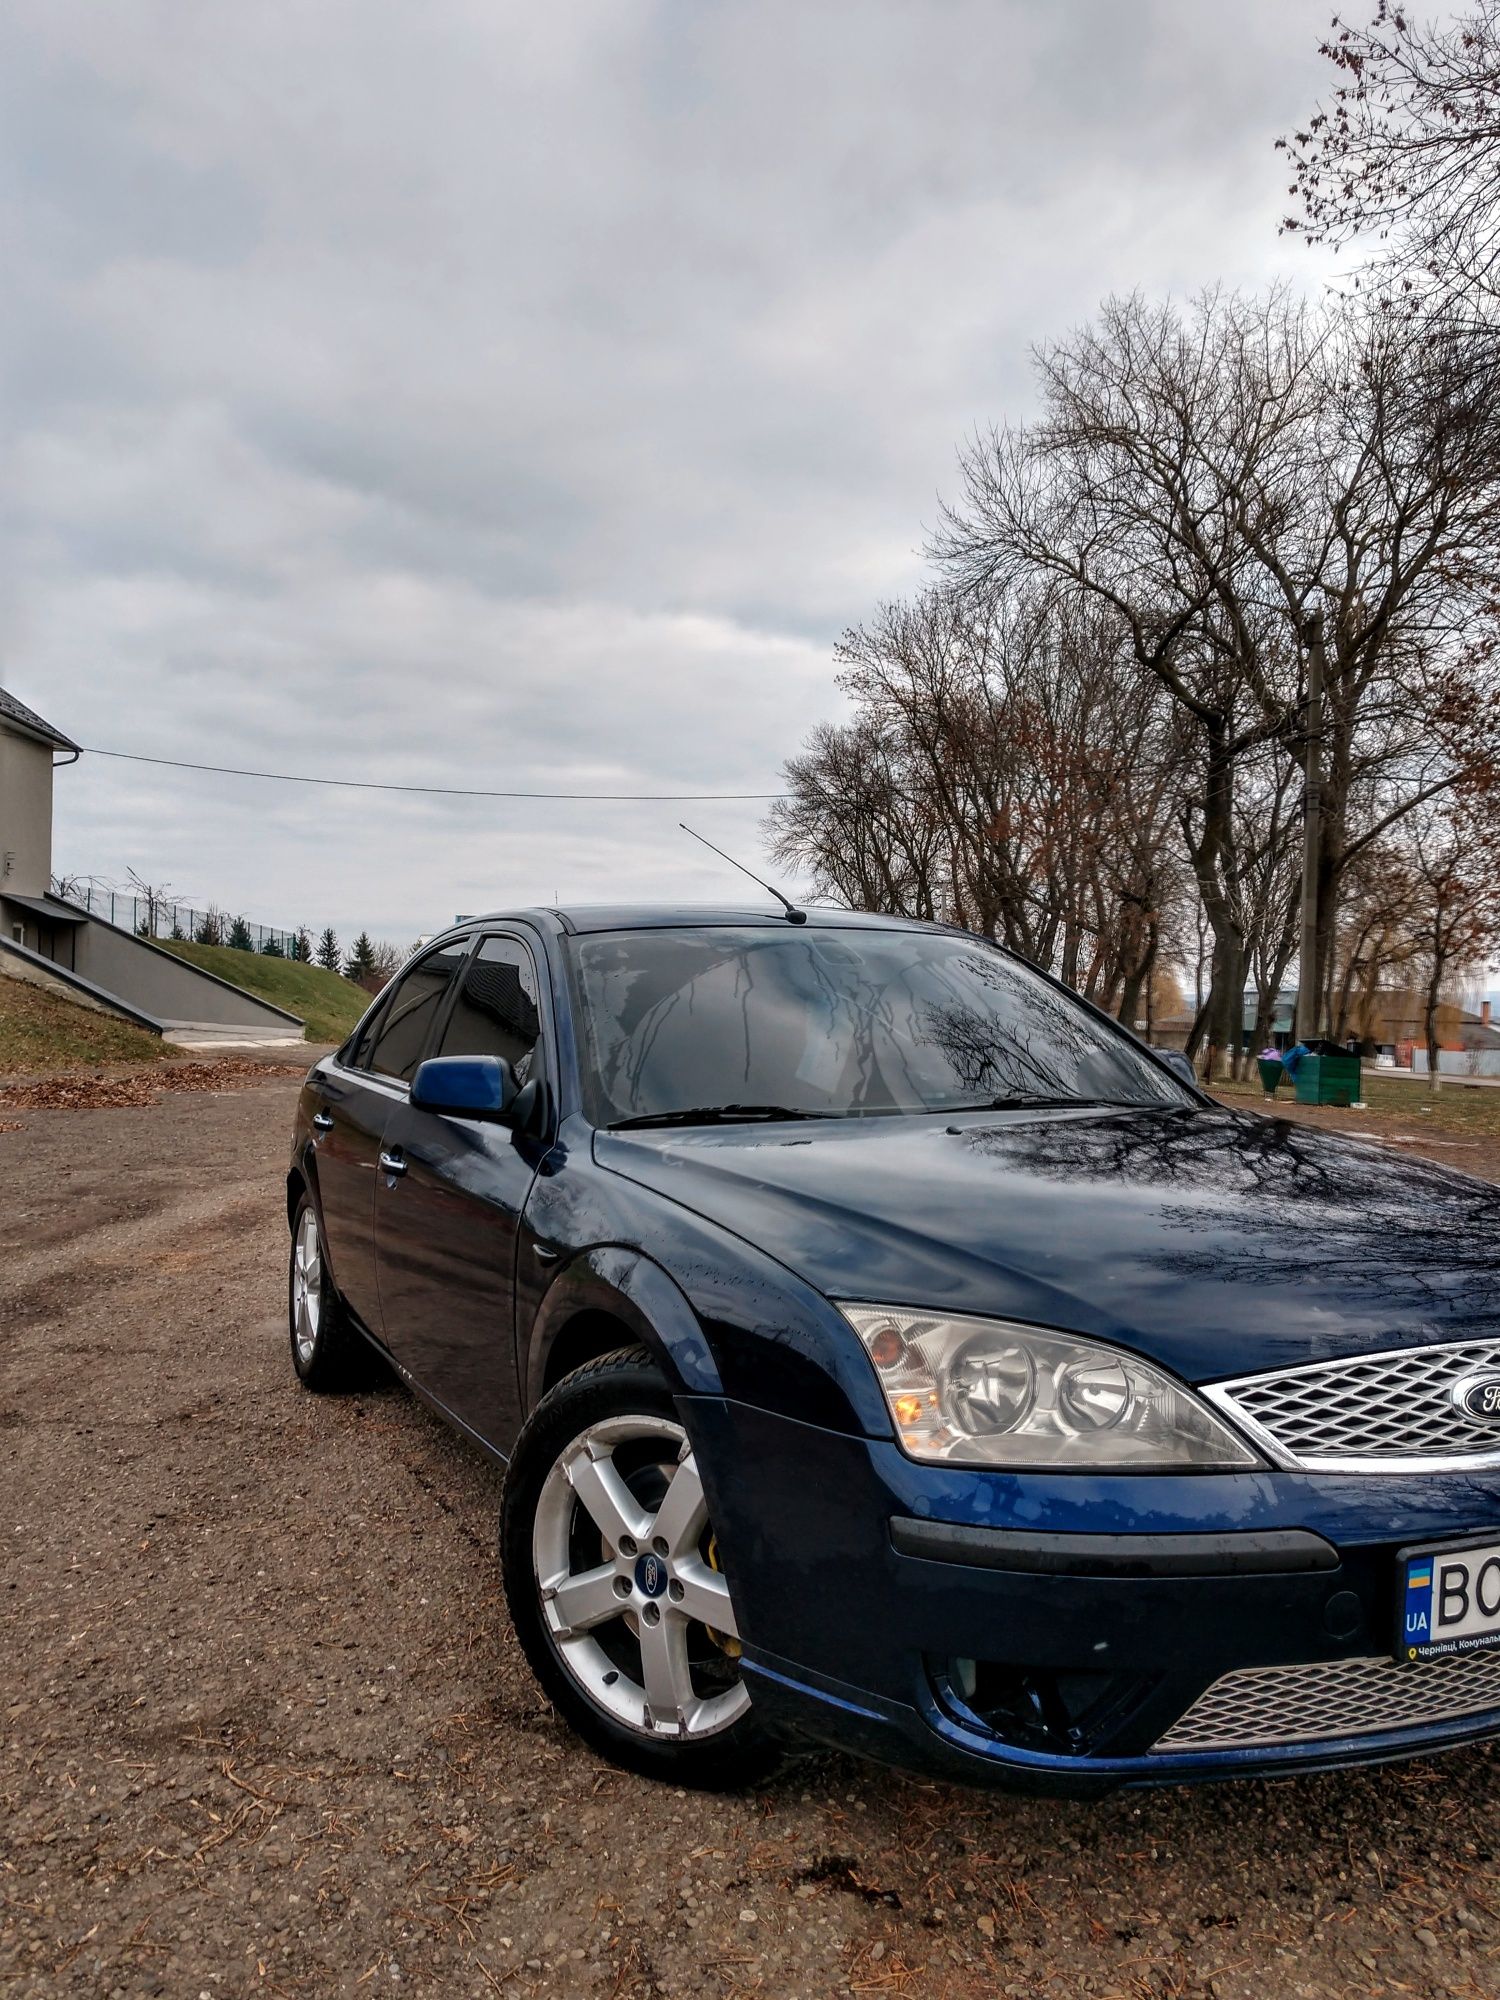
[601,1471]
[327,1353]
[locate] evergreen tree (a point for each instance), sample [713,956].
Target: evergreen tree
[239,936]
[328,950]
[211,930]
[177,933]
[272,946]
[361,965]
[302,946]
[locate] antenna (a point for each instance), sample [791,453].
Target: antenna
[793,914]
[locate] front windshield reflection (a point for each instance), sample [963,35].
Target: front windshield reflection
[837,1023]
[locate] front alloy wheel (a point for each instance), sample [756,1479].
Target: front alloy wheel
[614,1580]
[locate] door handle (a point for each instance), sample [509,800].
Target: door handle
[393,1163]
[323,1120]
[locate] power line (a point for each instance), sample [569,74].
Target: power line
[436,791]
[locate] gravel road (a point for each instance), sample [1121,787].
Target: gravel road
[266,1729]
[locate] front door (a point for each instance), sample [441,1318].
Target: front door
[359,1100]
[347,1127]
[447,1222]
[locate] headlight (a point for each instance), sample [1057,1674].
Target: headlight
[988,1392]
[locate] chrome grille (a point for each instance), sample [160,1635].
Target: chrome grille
[1333,1698]
[1371,1411]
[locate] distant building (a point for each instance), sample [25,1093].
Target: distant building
[48,941]
[1390,1024]
[30,751]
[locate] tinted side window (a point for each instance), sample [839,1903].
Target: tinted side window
[402,1030]
[495,1013]
[363,1040]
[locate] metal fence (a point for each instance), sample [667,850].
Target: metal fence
[152,917]
[1459,1062]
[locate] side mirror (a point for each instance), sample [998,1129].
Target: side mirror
[1178,1064]
[466,1087]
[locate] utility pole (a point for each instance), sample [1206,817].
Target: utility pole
[1312,797]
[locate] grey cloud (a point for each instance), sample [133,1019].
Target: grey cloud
[497,394]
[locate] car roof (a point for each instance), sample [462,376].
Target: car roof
[581,917]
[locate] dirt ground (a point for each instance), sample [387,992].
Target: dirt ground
[266,1729]
[1458,1126]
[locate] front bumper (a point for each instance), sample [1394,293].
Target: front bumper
[1061,1628]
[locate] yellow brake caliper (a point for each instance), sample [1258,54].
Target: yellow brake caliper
[730,1648]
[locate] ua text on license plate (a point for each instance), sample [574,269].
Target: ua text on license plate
[1448,1601]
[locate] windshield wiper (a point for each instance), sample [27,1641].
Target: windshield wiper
[716,1114]
[1023,1102]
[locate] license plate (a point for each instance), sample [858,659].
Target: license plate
[1448,1601]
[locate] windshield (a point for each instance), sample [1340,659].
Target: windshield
[835,1023]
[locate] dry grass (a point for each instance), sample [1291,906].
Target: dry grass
[327,1003]
[40,1031]
[1457,1108]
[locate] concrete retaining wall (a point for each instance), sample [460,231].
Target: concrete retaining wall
[18,961]
[167,986]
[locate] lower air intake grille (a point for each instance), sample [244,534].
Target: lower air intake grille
[1333,1698]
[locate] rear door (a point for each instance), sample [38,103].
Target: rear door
[447,1226]
[359,1096]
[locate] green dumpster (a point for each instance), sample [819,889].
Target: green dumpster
[1328,1080]
[1271,1073]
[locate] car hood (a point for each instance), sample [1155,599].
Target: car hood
[1216,1242]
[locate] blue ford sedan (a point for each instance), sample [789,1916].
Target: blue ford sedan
[886,1350]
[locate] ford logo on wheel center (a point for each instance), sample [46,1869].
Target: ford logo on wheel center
[651,1575]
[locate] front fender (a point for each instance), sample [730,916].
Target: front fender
[630,1288]
[717,1308]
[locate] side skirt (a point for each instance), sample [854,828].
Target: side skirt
[423,1395]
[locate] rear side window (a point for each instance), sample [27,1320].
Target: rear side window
[400,1035]
[495,1012]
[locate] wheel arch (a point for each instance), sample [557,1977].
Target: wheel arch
[613,1297]
[302,1178]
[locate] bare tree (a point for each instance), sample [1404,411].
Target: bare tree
[1161,437]
[157,896]
[1003,771]
[1216,478]
[849,820]
[1374,945]
[385,963]
[1458,911]
[1406,154]
[1267,877]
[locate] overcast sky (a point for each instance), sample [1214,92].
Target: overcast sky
[527,396]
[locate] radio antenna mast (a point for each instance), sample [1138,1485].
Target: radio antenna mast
[793,914]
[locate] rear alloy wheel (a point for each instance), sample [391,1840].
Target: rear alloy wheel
[325,1353]
[615,1585]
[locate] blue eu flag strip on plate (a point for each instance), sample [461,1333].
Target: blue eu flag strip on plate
[1417,1626]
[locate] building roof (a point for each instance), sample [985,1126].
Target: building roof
[31,724]
[51,909]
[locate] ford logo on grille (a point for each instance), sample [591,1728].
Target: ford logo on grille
[1478,1396]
